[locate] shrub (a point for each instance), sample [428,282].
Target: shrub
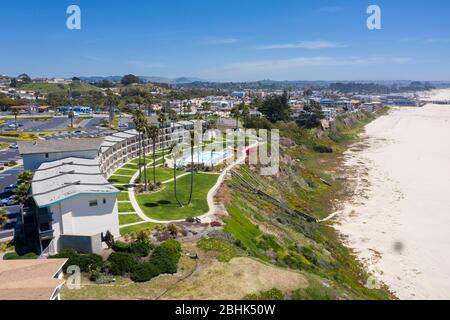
[15,256]
[166,257]
[323,149]
[2,168]
[144,272]
[86,262]
[120,246]
[271,295]
[190,220]
[140,248]
[122,263]
[94,275]
[172,245]
[216,224]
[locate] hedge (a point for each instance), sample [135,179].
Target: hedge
[122,263]
[86,262]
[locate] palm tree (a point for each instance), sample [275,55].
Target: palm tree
[192,168]
[206,106]
[153,133]
[71,115]
[175,152]
[15,113]
[162,119]
[235,113]
[138,123]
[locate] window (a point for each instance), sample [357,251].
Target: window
[47,156]
[93,203]
[104,200]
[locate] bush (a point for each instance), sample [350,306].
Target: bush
[172,245]
[166,257]
[323,149]
[120,246]
[94,275]
[190,219]
[86,262]
[141,248]
[272,295]
[216,224]
[138,248]
[2,168]
[122,263]
[15,256]
[144,272]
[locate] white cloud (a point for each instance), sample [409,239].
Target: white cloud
[305,45]
[439,41]
[329,9]
[219,41]
[284,68]
[143,64]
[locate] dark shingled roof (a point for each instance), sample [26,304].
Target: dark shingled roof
[50,146]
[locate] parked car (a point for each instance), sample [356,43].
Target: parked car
[8,201]
[5,195]
[11,188]
[14,146]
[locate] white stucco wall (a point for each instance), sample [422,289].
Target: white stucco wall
[32,162]
[76,217]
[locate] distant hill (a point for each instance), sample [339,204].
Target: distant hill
[154,79]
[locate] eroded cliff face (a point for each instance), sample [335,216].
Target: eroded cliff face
[277,219]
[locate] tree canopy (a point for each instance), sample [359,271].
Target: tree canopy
[276,108]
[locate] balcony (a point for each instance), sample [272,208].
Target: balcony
[46,235]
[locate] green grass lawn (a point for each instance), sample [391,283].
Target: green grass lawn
[119,180]
[162,174]
[123,196]
[138,227]
[125,207]
[125,219]
[121,187]
[131,166]
[125,172]
[163,205]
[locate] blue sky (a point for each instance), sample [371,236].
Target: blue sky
[228,40]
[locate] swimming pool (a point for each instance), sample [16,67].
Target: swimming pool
[203,157]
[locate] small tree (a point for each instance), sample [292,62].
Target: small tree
[71,116]
[3,217]
[15,112]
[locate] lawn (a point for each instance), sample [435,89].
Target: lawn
[125,207]
[162,174]
[131,166]
[119,180]
[125,172]
[4,146]
[123,196]
[125,219]
[137,228]
[163,205]
[121,187]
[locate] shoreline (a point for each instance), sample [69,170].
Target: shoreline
[396,219]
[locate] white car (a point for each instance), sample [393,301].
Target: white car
[8,201]
[14,146]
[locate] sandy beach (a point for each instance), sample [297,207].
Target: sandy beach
[398,222]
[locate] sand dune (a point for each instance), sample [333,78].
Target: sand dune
[399,219]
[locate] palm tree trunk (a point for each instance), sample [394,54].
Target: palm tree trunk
[175,180]
[145,167]
[15,121]
[139,157]
[154,161]
[192,174]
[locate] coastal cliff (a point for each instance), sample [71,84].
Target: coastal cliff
[279,219]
